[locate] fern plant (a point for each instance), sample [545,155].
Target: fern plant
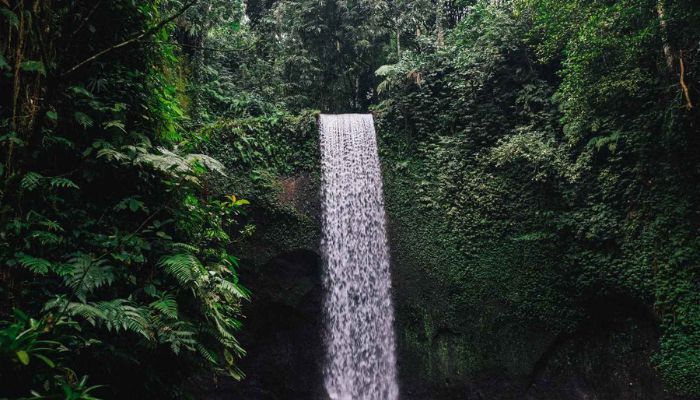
[113,245]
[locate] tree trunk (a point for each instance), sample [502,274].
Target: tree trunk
[440,23]
[668,51]
[398,42]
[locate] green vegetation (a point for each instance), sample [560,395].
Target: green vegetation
[541,176]
[553,154]
[115,255]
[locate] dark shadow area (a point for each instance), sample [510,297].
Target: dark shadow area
[282,334]
[607,357]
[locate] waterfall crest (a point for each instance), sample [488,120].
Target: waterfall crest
[360,348]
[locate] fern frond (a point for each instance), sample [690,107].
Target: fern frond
[112,155]
[115,315]
[226,341]
[63,183]
[385,70]
[233,288]
[87,311]
[208,355]
[166,161]
[185,247]
[120,314]
[83,119]
[166,306]
[210,163]
[172,163]
[179,335]
[45,237]
[31,181]
[236,373]
[86,275]
[51,225]
[183,267]
[36,265]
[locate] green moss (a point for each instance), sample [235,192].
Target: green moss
[275,164]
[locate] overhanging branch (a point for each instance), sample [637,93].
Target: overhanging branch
[134,38]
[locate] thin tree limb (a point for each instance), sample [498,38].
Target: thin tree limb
[132,39]
[684,87]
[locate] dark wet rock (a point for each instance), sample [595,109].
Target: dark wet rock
[282,334]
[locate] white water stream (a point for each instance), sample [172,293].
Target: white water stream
[361,361]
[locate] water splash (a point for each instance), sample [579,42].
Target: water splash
[361,362]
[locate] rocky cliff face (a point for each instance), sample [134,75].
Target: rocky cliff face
[448,347]
[282,332]
[281,266]
[457,341]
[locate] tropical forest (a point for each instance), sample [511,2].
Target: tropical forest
[350,199]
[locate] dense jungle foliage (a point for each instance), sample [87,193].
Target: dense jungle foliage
[558,153]
[540,158]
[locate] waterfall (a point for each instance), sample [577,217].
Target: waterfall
[360,362]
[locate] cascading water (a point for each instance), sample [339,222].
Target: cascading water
[361,363]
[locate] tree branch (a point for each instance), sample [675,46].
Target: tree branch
[684,87]
[132,39]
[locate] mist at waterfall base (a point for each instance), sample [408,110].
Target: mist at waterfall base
[360,347]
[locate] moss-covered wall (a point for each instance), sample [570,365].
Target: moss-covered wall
[274,165]
[450,331]
[532,198]
[491,317]
[488,317]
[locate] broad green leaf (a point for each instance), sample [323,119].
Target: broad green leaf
[52,115]
[23,357]
[81,91]
[135,204]
[228,357]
